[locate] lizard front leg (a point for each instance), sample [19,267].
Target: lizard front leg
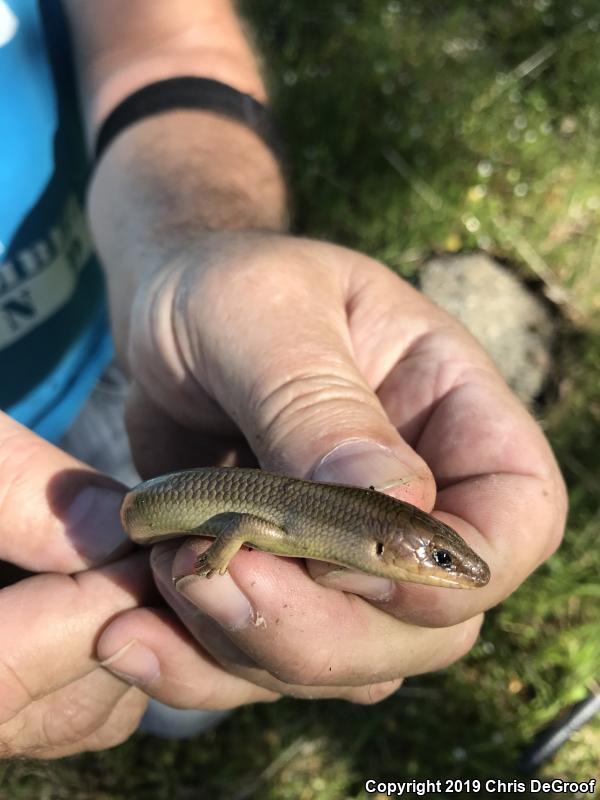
[231,531]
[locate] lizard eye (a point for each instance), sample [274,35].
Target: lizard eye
[442,558]
[379,548]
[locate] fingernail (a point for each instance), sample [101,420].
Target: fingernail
[218,597]
[94,524]
[222,599]
[134,663]
[363,463]
[370,586]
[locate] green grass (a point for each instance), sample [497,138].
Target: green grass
[414,128]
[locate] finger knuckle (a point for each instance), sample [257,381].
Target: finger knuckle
[71,720]
[304,401]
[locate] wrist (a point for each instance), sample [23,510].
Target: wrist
[194,165]
[165,181]
[171,176]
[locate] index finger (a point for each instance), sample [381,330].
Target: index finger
[56,514]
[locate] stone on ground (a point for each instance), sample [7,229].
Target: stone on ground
[515,327]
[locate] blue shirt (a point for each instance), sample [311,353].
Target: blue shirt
[54,339]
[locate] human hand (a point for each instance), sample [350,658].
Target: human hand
[322,363]
[59,517]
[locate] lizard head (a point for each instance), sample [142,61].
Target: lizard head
[421,549]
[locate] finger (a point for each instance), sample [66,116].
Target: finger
[150,649]
[502,532]
[54,620]
[124,719]
[56,514]
[499,485]
[94,712]
[189,678]
[303,633]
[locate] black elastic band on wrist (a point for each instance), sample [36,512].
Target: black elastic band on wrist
[188,92]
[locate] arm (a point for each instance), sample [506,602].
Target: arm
[171,176]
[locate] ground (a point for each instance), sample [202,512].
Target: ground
[412,129]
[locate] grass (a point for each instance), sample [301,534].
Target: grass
[414,128]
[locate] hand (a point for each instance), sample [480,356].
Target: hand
[322,363]
[59,517]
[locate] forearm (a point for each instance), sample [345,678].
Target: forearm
[165,182]
[120,47]
[171,176]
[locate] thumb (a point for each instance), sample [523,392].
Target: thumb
[56,514]
[308,411]
[282,368]
[319,418]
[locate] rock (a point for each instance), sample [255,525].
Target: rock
[514,326]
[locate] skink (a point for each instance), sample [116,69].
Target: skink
[360,529]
